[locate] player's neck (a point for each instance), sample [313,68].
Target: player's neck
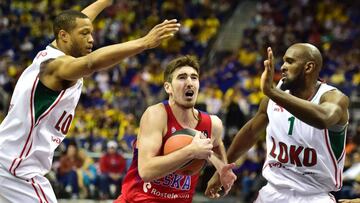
[187,117]
[61,47]
[307,92]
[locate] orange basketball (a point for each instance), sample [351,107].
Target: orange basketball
[178,140]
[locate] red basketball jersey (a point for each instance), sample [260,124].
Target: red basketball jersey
[173,188]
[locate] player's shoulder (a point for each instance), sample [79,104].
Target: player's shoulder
[215,120]
[154,115]
[334,95]
[58,61]
[156,109]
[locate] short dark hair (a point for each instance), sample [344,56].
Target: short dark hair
[176,63]
[66,20]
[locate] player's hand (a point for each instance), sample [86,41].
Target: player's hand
[160,32]
[350,200]
[268,74]
[213,187]
[201,146]
[227,177]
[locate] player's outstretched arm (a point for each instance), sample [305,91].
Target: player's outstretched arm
[151,164]
[71,69]
[332,110]
[93,10]
[249,134]
[350,200]
[242,142]
[219,159]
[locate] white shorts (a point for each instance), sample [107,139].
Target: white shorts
[16,190]
[270,194]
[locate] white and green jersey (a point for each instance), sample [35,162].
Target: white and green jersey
[37,121]
[300,157]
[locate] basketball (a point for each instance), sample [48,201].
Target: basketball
[178,140]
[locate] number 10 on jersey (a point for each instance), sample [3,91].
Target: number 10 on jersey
[64,126]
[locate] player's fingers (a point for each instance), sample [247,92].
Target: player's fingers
[270,56]
[166,22]
[160,24]
[167,36]
[266,64]
[229,166]
[226,192]
[171,21]
[209,192]
[213,194]
[199,134]
[172,25]
[170,29]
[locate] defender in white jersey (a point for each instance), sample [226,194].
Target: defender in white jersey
[45,97]
[306,122]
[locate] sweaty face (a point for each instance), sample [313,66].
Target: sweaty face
[292,69]
[81,38]
[184,86]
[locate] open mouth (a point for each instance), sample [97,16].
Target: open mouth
[189,94]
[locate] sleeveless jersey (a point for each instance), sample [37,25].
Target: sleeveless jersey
[173,188]
[37,121]
[300,157]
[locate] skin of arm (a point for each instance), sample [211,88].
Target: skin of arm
[219,149]
[242,142]
[71,69]
[153,126]
[93,10]
[331,110]
[350,200]
[249,134]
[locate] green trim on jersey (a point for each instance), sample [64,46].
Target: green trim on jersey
[337,142]
[186,131]
[43,99]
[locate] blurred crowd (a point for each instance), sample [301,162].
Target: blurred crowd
[93,159]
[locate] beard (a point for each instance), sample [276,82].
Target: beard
[284,86]
[75,49]
[292,84]
[185,105]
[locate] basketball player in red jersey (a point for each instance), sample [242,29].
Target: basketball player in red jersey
[151,176]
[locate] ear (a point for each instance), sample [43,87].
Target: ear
[167,87]
[309,67]
[64,36]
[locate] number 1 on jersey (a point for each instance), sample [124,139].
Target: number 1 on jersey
[291,127]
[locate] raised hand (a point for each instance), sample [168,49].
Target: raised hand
[268,74]
[160,32]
